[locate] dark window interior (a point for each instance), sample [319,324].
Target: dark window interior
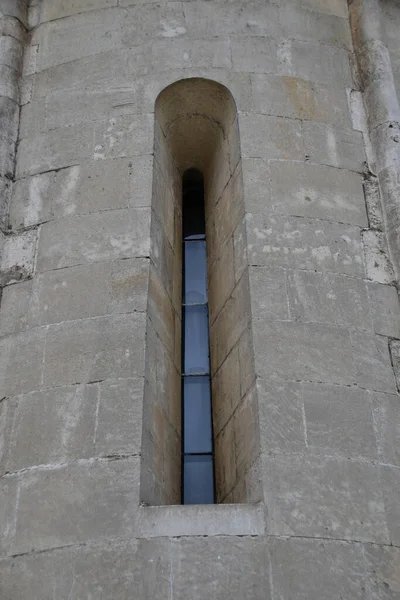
[197,439]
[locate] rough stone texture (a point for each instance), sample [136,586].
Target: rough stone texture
[303,231]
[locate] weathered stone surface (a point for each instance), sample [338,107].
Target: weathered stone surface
[103,236]
[52,427]
[378,266]
[94,349]
[312,569]
[385,309]
[333,146]
[59,9]
[21,362]
[14,308]
[128,135]
[32,200]
[119,426]
[324,497]
[317,192]
[328,298]
[268,289]
[297,98]
[270,137]
[89,500]
[255,55]
[257,184]
[303,24]
[372,362]
[390,482]
[299,243]
[308,352]
[8,489]
[386,414]
[382,567]
[338,421]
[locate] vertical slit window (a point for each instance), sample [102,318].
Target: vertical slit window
[197,436]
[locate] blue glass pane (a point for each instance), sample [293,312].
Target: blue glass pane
[197,415]
[195,358]
[195,287]
[198,480]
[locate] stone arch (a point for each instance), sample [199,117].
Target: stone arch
[196,127]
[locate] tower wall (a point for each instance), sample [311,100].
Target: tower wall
[323,337]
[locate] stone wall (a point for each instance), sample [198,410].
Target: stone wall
[324,304]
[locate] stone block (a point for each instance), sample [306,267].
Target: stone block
[5,197]
[300,243]
[204,20]
[56,149]
[281,416]
[247,433]
[77,503]
[240,250]
[31,201]
[339,422]
[225,461]
[8,505]
[51,10]
[119,420]
[382,567]
[257,185]
[317,192]
[330,7]
[124,136]
[316,62]
[108,235]
[328,298]
[268,290]
[11,51]
[221,280]
[385,309]
[128,285]
[9,116]
[226,392]
[246,361]
[51,427]
[263,136]
[303,24]
[14,308]
[334,146]
[312,569]
[297,98]
[378,266]
[303,352]
[324,497]
[95,349]
[14,8]
[9,83]
[390,485]
[386,414]
[21,362]
[254,54]
[372,361]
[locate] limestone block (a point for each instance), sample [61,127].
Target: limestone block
[8,489]
[226,390]
[385,139]
[54,426]
[21,362]
[257,185]
[300,99]
[18,257]
[5,196]
[386,414]
[377,262]
[339,422]
[55,150]
[247,433]
[303,352]
[330,7]
[303,24]
[32,200]
[328,298]
[13,28]
[108,235]
[385,309]
[33,118]
[394,346]
[58,9]
[304,244]
[311,569]
[221,280]
[225,461]
[315,62]
[270,137]
[9,83]
[254,54]
[94,349]
[14,8]
[10,52]
[382,571]
[7,157]
[390,482]
[9,116]
[252,19]
[268,290]
[281,416]
[241,261]
[89,500]
[333,146]
[128,285]
[119,420]
[161,311]
[14,308]
[324,497]
[128,135]
[317,192]
[372,360]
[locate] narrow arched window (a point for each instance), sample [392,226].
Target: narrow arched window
[197,436]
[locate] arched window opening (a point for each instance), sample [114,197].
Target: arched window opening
[197,436]
[198,193]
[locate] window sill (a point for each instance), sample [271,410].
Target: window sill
[207,519]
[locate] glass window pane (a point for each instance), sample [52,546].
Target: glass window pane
[195,276]
[197,415]
[198,487]
[195,358]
